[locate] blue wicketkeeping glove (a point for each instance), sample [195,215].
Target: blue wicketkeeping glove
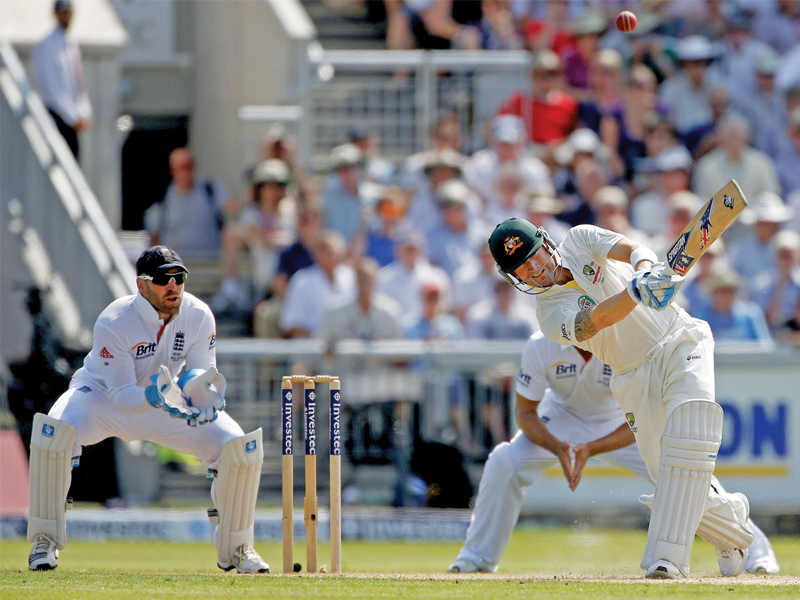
[167,396]
[205,390]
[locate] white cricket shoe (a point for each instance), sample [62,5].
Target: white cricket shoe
[465,565]
[44,554]
[766,565]
[246,560]
[663,569]
[732,562]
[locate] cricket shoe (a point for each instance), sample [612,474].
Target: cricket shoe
[663,569]
[44,554]
[465,565]
[766,565]
[246,560]
[732,562]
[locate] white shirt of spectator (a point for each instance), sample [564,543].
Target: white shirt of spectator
[572,380]
[346,321]
[311,294]
[485,321]
[127,348]
[481,171]
[688,106]
[755,173]
[405,287]
[59,77]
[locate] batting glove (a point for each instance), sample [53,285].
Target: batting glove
[654,288]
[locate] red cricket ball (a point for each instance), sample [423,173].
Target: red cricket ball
[626,21]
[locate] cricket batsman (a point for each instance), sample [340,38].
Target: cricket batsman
[607,295]
[128,388]
[565,410]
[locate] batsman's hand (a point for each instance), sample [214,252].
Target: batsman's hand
[205,391]
[656,287]
[167,396]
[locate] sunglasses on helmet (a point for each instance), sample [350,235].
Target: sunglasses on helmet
[164,278]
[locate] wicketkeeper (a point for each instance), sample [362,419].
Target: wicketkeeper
[128,388]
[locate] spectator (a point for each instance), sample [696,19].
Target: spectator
[553,32]
[606,73]
[659,134]
[507,148]
[266,227]
[682,207]
[589,178]
[777,291]
[610,206]
[650,211]
[788,162]
[587,29]
[429,25]
[473,282]
[686,93]
[790,331]
[457,239]
[755,254]
[435,323]
[191,216]
[622,127]
[778,27]
[766,108]
[542,211]
[550,115]
[368,316]
[508,196]
[444,165]
[445,136]
[734,159]
[314,290]
[342,201]
[58,70]
[496,27]
[502,316]
[403,279]
[704,138]
[266,317]
[581,144]
[378,235]
[278,145]
[730,317]
[739,55]
[694,296]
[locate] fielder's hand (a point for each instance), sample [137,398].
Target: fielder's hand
[582,454]
[562,453]
[167,396]
[205,391]
[654,288]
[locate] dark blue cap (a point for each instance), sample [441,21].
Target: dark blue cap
[63,5]
[159,259]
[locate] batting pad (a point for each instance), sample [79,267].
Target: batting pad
[724,524]
[689,445]
[236,489]
[50,475]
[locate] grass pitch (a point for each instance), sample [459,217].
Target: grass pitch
[540,563]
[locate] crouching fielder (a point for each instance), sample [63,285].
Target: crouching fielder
[564,410]
[603,293]
[126,389]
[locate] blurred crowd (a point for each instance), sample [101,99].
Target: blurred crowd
[630,132]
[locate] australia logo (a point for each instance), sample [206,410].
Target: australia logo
[705,225]
[727,201]
[586,302]
[588,270]
[511,244]
[631,421]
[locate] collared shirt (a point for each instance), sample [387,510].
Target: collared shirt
[405,286]
[346,321]
[131,342]
[687,104]
[481,171]
[450,249]
[755,173]
[486,321]
[59,77]
[580,386]
[311,294]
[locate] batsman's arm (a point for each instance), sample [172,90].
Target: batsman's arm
[536,431]
[619,438]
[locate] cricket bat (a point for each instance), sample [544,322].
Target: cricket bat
[706,226]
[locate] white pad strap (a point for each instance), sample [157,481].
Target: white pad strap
[689,445]
[724,523]
[50,475]
[236,489]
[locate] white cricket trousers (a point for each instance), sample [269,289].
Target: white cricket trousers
[95,418]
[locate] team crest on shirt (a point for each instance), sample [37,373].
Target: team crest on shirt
[592,270]
[585,302]
[588,270]
[631,422]
[511,244]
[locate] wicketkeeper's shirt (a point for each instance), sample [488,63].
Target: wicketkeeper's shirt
[131,342]
[623,346]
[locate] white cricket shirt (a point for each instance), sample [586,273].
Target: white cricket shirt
[580,386]
[623,346]
[131,342]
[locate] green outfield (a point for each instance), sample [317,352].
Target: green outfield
[549,563]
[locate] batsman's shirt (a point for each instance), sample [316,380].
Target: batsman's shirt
[579,386]
[131,342]
[623,346]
